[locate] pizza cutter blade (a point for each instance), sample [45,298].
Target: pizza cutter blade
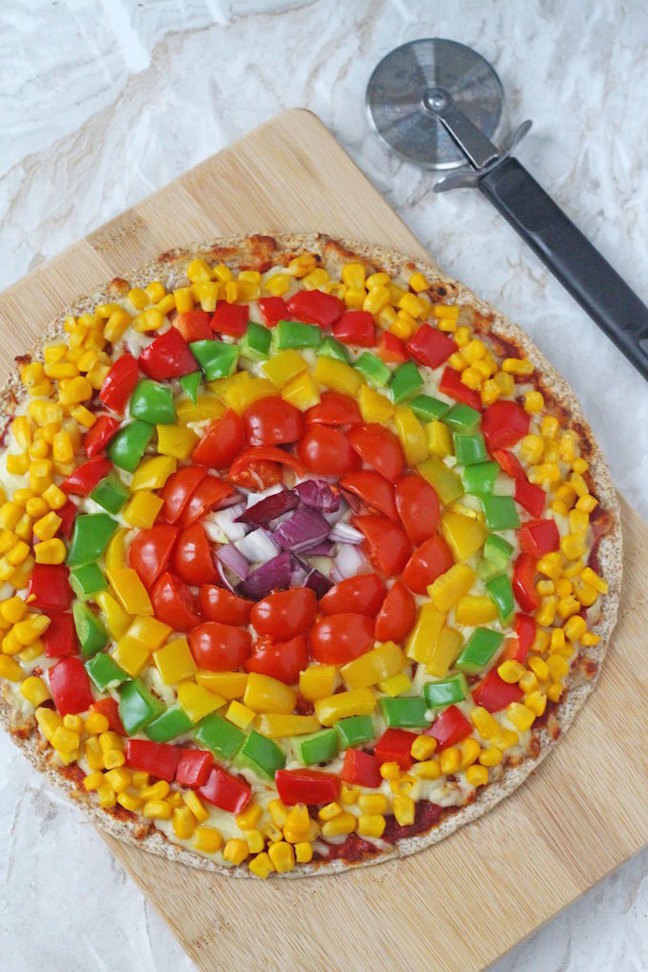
[439,104]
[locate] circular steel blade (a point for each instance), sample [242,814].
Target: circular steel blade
[396,99]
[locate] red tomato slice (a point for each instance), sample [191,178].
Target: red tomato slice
[174,604]
[326,451]
[219,604]
[219,647]
[260,467]
[285,614]
[221,443]
[149,552]
[341,637]
[380,449]
[397,615]
[363,594]
[178,490]
[272,421]
[210,494]
[281,661]
[418,507]
[193,559]
[428,562]
[333,409]
[373,489]
[386,542]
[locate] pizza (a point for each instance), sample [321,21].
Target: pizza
[308,556]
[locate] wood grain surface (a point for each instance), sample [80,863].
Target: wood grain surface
[462,903]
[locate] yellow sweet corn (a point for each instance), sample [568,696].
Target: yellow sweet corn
[236,851]
[49,552]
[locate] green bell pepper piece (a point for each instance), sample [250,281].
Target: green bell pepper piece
[462,418]
[217,359]
[501,512]
[375,371]
[427,408]
[480,477]
[319,747]
[498,550]
[295,334]
[190,384]
[137,706]
[262,755]
[129,445]
[405,382]
[90,537]
[500,590]
[105,672]
[405,712]
[87,581]
[470,448]
[153,402]
[355,730]
[110,493]
[446,482]
[479,650]
[332,348]
[90,629]
[221,737]
[170,724]
[446,691]
[255,343]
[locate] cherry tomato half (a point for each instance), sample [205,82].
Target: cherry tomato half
[428,562]
[380,449]
[178,490]
[418,507]
[281,661]
[397,615]
[149,552]
[363,594]
[341,637]
[373,489]
[193,559]
[326,451]
[219,604]
[272,421]
[221,443]
[285,614]
[334,409]
[386,543]
[261,466]
[219,647]
[174,604]
[211,493]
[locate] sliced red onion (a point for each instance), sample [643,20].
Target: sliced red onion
[255,496]
[298,572]
[345,533]
[318,494]
[323,549]
[354,501]
[234,560]
[224,521]
[274,575]
[224,575]
[303,529]
[317,582]
[268,509]
[349,562]
[258,546]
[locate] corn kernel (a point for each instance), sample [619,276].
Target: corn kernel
[490,757]
[484,722]
[373,803]
[510,671]
[428,769]
[261,866]
[330,811]
[65,740]
[10,669]
[236,851]
[156,810]
[304,852]
[517,366]
[558,667]
[390,771]
[349,794]
[34,690]
[450,760]
[404,809]
[96,724]
[537,702]
[342,823]
[477,775]
[423,747]
[93,781]
[533,402]
[113,758]
[277,812]
[249,817]
[119,779]
[371,825]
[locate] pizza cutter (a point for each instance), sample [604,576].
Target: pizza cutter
[438,104]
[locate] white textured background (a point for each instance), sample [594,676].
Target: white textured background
[104,101]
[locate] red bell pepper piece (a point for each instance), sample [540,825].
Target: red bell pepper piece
[210,494]
[452,386]
[120,383]
[431,347]
[525,631]
[228,792]
[306,786]
[282,661]
[509,464]
[449,728]
[531,497]
[356,327]
[86,476]
[49,589]
[539,537]
[524,573]
[494,694]
[231,319]
[391,349]
[194,767]
[159,759]
[193,325]
[361,768]
[167,356]
[67,513]
[316,307]
[273,310]
[70,686]
[60,638]
[97,438]
[109,708]
[503,424]
[394,747]
[178,490]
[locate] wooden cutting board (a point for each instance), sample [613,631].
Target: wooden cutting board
[463,903]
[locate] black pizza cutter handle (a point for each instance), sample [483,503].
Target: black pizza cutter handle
[570,256]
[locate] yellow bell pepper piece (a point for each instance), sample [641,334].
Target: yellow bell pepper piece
[284,366]
[131,655]
[449,587]
[472,610]
[425,633]
[174,661]
[129,590]
[206,407]
[374,407]
[439,439]
[176,440]
[361,701]
[231,685]
[374,666]
[464,535]
[444,652]
[197,701]
[243,394]
[153,473]
[411,434]
[115,555]
[150,631]
[337,375]
[142,510]
[240,715]
[301,391]
[317,681]
[265,694]
[275,726]
[117,620]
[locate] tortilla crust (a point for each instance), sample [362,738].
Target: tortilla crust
[260,252]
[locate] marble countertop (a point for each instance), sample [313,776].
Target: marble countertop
[105,101]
